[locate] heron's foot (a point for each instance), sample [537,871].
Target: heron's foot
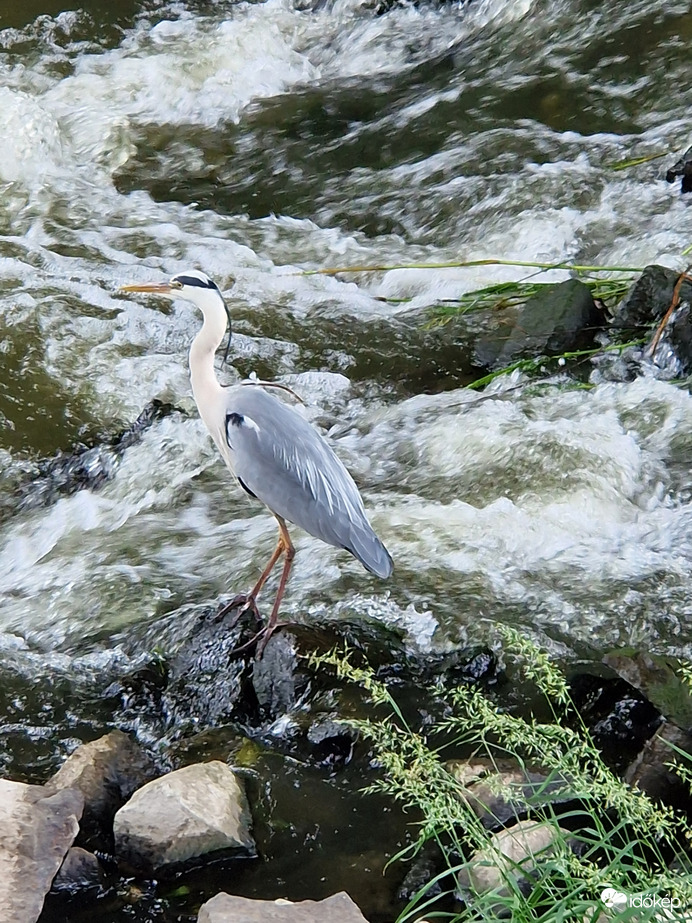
[243,602]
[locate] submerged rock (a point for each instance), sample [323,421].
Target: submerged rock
[619,718]
[227,908]
[86,466]
[38,827]
[80,871]
[501,791]
[182,815]
[424,868]
[106,771]
[333,741]
[561,318]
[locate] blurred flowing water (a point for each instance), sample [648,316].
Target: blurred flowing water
[257,140]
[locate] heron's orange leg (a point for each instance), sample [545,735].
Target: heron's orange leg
[245,601]
[285,546]
[254,593]
[290,552]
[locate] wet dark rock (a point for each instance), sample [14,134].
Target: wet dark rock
[650,773]
[216,743]
[80,871]
[683,169]
[619,718]
[211,685]
[424,867]
[462,666]
[524,789]
[106,772]
[678,333]
[648,300]
[38,827]
[656,678]
[561,318]
[638,315]
[136,696]
[86,467]
[208,682]
[182,815]
[512,855]
[274,676]
[227,908]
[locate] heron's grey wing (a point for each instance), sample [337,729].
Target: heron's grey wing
[281,459]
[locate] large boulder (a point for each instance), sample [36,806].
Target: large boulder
[227,908]
[560,318]
[38,827]
[106,771]
[183,815]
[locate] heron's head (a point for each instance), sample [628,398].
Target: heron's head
[191,285]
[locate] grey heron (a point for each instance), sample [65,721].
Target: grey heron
[275,454]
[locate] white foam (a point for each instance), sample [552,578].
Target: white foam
[569,507]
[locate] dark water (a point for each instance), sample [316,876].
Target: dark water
[255,141]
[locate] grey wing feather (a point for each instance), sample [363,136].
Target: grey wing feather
[281,459]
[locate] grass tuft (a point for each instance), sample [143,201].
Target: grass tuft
[606,834]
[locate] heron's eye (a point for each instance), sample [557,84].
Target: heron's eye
[176,283]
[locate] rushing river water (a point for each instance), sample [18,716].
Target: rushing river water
[258,140]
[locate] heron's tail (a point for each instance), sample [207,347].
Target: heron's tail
[370,551]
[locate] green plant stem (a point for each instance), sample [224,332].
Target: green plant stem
[538,361]
[456,264]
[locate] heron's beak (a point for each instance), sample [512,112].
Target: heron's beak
[155,288]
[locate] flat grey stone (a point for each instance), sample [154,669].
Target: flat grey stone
[227,908]
[38,828]
[182,815]
[511,854]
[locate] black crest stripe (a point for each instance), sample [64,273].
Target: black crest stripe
[193,280]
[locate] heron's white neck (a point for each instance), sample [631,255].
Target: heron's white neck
[204,346]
